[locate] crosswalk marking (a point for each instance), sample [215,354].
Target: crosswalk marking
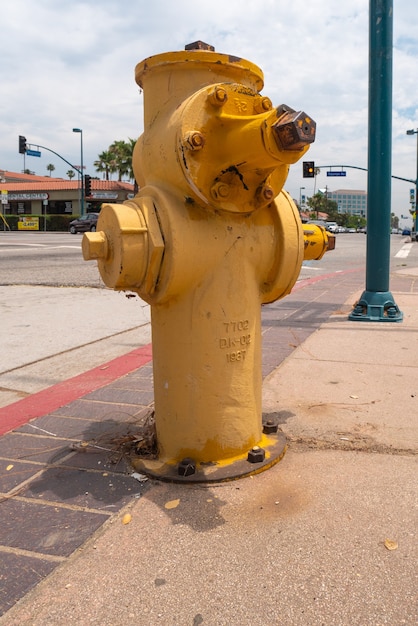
[404,251]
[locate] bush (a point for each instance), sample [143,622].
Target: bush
[58,222]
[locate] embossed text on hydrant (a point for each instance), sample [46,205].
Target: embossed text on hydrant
[236,339]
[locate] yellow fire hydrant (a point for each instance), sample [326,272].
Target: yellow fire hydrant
[209,238]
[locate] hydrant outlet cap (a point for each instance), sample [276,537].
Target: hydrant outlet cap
[94,246]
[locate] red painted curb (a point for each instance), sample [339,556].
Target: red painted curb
[300,284]
[52,398]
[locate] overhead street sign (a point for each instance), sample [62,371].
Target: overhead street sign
[33,153]
[336,173]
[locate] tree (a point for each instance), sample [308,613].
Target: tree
[70,174]
[394,220]
[319,203]
[50,168]
[317,172]
[122,152]
[106,163]
[130,151]
[117,158]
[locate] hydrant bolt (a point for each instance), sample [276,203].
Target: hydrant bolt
[194,140]
[186,467]
[266,193]
[256,455]
[220,190]
[262,105]
[218,96]
[270,427]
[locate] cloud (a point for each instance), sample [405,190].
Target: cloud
[71,64]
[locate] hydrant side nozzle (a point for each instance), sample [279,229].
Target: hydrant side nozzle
[127,246]
[317,241]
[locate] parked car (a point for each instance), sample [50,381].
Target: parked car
[318,223]
[84,223]
[406,232]
[331,227]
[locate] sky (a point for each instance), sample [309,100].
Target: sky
[68,65]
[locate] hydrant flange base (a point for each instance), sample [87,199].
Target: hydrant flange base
[213,472]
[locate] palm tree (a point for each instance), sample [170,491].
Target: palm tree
[117,158]
[317,172]
[50,168]
[70,174]
[120,151]
[106,163]
[130,151]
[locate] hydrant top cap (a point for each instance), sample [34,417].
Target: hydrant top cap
[199,59]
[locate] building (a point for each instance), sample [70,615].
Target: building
[350,201]
[27,194]
[306,216]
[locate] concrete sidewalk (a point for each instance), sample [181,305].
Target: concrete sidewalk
[50,334]
[325,537]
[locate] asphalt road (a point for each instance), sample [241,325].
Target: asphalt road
[50,259]
[55,259]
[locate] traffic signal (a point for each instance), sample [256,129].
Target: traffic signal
[22,144]
[308,169]
[87,185]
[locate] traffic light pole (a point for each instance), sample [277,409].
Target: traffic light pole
[376,304]
[77,169]
[364,169]
[60,157]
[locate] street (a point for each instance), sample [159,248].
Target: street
[54,259]
[50,259]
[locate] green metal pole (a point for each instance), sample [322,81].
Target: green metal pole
[80,130]
[414,204]
[415,218]
[380,146]
[376,303]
